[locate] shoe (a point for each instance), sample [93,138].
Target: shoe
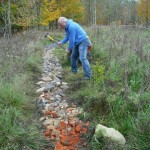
[85,78]
[74,72]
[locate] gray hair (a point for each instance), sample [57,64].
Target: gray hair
[62,19]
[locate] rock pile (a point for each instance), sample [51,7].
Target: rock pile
[58,118]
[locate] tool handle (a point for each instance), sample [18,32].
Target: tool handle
[51,39]
[60,45]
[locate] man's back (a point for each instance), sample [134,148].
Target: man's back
[75,32]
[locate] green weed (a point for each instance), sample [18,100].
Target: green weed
[118,95]
[18,128]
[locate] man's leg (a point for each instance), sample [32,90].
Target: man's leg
[83,49]
[74,59]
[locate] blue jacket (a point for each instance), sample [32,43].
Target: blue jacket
[74,34]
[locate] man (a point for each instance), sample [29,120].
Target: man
[78,45]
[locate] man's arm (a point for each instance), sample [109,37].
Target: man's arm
[71,38]
[64,40]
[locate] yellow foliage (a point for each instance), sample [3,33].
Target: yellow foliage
[72,9]
[23,18]
[53,9]
[144,10]
[50,12]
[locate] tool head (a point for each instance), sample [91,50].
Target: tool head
[46,35]
[49,37]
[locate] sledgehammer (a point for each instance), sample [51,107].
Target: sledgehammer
[51,39]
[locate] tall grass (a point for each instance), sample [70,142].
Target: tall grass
[118,94]
[10,97]
[21,60]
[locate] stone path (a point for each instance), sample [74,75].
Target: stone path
[58,118]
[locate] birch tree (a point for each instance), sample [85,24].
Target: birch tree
[9,20]
[6,18]
[90,11]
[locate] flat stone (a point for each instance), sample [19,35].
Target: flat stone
[65,87]
[40,90]
[40,82]
[49,122]
[58,83]
[46,78]
[64,83]
[48,86]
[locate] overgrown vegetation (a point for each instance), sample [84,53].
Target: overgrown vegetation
[118,95]
[21,59]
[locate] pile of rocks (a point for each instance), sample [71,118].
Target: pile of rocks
[58,118]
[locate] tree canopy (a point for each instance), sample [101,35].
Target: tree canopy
[23,14]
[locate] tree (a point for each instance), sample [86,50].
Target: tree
[23,15]
[49,12]
[5,17]
[90,11]
[73,9]
[129,12]
[144,11]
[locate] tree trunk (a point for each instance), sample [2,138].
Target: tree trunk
[38,10]
[9,20]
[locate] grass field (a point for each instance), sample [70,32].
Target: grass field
[117,96]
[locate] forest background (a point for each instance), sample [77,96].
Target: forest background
[18,15]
